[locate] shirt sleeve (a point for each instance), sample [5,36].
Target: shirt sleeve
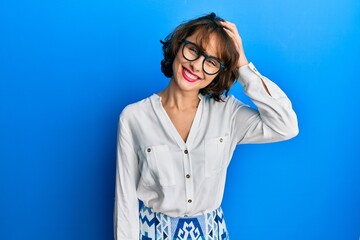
[274,120]
[126,216]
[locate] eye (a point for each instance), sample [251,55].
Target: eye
[212,62]
[194,50]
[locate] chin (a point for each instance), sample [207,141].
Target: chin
[185,85]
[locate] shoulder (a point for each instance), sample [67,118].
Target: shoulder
[228,102]
[136,108]
[234,102]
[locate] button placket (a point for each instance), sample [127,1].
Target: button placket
[189,188]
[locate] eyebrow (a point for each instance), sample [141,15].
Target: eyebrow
[203,50]
[204,53]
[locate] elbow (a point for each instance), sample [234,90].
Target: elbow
[291,132]
[291,127]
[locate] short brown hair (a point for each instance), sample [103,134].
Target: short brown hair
[205,25]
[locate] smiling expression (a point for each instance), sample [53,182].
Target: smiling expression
[189,75]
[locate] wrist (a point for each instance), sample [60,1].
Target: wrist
[242,60]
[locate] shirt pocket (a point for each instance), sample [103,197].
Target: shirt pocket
[215,155]
[159,159]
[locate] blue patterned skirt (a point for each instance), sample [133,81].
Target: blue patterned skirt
[158,226]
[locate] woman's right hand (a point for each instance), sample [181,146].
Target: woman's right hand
[232,31]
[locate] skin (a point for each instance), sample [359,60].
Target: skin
[180,98]
[232,31]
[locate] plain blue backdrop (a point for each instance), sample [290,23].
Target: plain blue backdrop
[68,68]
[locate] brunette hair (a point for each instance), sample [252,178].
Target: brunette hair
[205,26]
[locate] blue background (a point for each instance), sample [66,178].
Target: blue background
[68,68]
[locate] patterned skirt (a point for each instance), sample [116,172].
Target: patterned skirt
[158,226]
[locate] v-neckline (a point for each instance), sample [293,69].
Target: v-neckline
[176,135]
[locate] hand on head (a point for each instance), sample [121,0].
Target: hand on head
[232,31]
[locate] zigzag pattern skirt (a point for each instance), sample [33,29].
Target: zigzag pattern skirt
[158,226]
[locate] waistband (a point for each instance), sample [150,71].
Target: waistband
[155,225]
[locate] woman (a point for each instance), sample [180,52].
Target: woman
[174,146]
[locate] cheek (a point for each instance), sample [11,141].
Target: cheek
[176,64]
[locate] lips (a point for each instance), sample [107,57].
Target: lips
[189,76]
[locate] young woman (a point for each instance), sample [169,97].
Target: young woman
[174,147]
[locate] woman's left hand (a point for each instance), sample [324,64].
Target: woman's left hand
[232,31]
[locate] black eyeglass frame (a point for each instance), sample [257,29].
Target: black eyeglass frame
[200,53]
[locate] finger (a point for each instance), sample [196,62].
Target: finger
[229,32]
[236,40]
[230,26]
[227,23]
[234,36]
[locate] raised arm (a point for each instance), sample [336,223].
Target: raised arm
[274,120]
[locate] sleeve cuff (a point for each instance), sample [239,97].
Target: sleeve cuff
[248,72]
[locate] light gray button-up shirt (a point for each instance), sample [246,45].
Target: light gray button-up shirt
[180,178]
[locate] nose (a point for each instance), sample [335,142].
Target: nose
[196,65]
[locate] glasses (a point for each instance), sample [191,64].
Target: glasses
[210,65]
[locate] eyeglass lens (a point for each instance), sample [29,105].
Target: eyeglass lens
[210,65]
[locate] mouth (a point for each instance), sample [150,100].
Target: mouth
[189,76]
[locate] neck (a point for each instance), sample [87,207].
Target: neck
[181,100]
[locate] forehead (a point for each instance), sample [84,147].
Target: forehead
[209,43]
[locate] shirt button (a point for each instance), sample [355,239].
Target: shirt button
[186,151]
[187,175]
[189,201]
[221,140]
[148,150]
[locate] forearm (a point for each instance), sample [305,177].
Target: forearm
[275,118]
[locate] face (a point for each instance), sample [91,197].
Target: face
[189,75]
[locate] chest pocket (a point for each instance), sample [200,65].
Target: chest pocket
[159,160]
[215,155]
